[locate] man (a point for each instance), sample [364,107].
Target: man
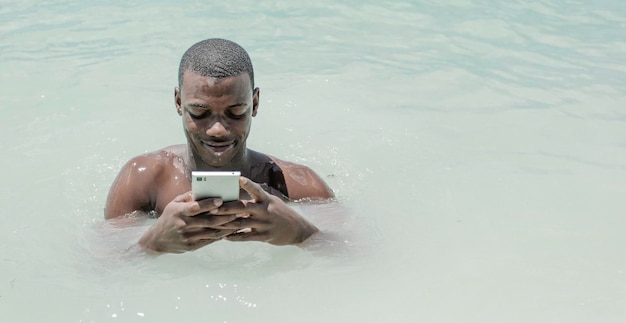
[216,99]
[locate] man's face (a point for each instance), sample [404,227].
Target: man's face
[217,114]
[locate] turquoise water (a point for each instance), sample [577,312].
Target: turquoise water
[478,150]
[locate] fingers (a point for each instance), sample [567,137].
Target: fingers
[248,236]
[244,223]
[201,206]
[255,190]
[209,221]
[185,197]
[208,234]
[209,204]
[240,208]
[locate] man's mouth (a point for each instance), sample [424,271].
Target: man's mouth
[218,147]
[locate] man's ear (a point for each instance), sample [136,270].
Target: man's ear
[179,108]
[255,101]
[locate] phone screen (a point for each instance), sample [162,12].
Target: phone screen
[224,185]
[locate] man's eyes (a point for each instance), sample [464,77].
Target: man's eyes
[198,113]
[236,113]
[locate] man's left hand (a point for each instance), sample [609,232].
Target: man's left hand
[264,217]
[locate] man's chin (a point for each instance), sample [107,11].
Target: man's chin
[217,162]
[217,158]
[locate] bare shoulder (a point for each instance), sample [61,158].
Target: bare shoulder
[302,182]
[159,162]
[136,185]
[153,165]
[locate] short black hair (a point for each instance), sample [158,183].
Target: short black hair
[217,58]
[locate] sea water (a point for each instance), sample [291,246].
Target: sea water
[477,150]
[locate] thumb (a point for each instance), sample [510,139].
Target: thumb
[185,197]
[255,190]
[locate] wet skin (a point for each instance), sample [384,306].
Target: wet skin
[216,116]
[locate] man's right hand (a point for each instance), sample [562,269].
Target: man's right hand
[185,225]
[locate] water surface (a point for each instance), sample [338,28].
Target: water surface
[477,149]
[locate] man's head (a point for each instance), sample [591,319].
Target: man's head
[216,58]
[217,100]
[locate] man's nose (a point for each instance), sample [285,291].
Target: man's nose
[217,130]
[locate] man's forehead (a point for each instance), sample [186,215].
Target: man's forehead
[197,88]
[194,79]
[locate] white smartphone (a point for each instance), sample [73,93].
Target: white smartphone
[215,184]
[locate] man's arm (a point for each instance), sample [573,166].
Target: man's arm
[302,182]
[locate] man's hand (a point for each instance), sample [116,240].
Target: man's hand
[263,218]
[185,226]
